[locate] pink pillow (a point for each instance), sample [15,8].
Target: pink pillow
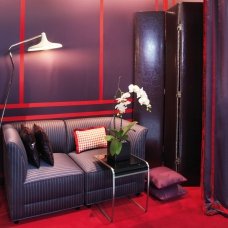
[162,177]
[167,193]
[86,139]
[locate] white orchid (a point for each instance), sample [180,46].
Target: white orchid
[121,107]
[118,136]
[133,88]
[144,101]
[123,101]
[123,97]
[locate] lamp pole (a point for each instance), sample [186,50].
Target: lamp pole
[43,45]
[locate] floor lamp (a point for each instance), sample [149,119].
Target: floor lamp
[44,44]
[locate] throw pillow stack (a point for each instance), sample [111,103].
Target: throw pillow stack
[37,145]
[165,183]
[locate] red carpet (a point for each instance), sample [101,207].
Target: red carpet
[185,212]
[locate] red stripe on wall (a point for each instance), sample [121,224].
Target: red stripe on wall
[61,116]
[156,5]
[21,64]
[101,53]
[58,104]
[174,2]
[165,4]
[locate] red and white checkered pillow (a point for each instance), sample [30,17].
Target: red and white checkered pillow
[86,139]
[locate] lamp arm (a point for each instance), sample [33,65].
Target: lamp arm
[42,35]
[24,41]
[12,74]
[8,89]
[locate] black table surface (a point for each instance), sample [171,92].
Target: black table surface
[133,165]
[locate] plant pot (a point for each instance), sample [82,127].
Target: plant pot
[124,154]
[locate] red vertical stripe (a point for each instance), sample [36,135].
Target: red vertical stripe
[213,102]
[165,4]
[101,54]
[156,4]
[21,64]
[174,2]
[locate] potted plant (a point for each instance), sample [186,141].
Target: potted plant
[118,137]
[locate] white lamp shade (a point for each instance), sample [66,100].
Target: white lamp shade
[44,44]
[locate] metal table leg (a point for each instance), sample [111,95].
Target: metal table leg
[110,218]
[147,191]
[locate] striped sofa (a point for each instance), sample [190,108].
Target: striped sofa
[74,180]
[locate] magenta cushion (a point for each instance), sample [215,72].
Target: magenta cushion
[162,177]
[167,193]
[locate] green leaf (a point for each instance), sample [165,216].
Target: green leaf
[115,147]
[109,137]
[124,137]
[119,133]
[127,128]
[114,132]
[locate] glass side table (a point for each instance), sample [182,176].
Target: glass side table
[134,166]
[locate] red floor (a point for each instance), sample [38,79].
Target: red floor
[185,212]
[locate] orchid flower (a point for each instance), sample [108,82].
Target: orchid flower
[117,137]
[122,101]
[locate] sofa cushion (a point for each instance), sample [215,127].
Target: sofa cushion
[29,142]
[55,129]
[83,123]
[97,175]
[65,178]
[98,178]
[43,144]
[86,139]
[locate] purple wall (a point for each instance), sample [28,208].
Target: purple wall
[81,78]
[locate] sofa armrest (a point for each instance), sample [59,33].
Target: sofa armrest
[15,157]
[15,170]
[137,138]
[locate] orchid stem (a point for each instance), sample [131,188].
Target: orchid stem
[118,88]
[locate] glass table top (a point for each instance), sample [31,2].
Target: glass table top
[134,164]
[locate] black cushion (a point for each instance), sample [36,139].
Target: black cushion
[43,144]
[29,142]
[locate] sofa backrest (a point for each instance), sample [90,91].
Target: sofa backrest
[55,129]
[83,123]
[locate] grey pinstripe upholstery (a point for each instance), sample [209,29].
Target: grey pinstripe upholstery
[31,191]
[55,130]
[98,180]
[52,182]
[137,137]
[74,180]
[55,188]
[15,170]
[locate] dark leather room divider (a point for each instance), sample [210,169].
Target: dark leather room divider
[168,57]
[183,89]
[149,74]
